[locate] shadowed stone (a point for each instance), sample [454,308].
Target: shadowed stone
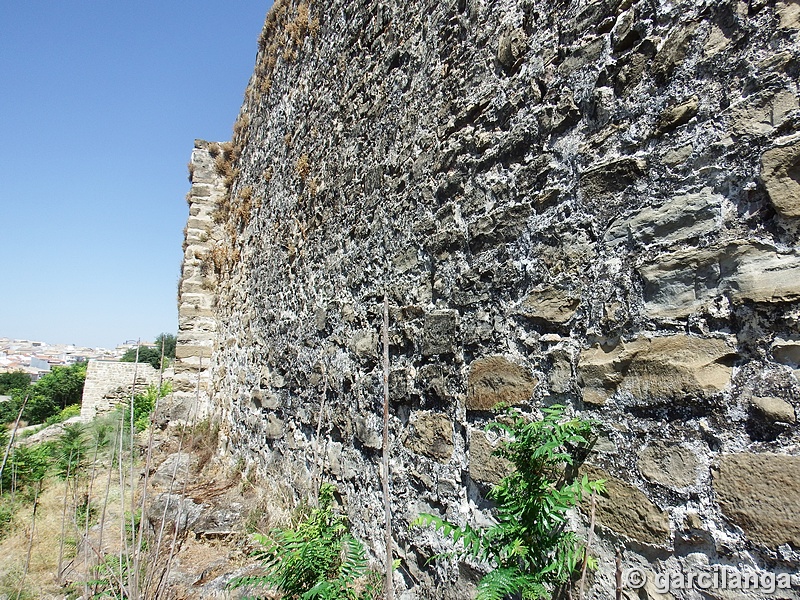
[677,115]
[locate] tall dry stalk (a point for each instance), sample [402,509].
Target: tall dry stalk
[11,440]
[387,504]
[36,493]
[139,536]
[173,545]
[64,521]
[89,489]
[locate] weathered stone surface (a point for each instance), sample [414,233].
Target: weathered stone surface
[483,465]
[780,172]
[365,343]
[774,409]
[511,47]
[786,352]
[273,427]
[451,173]
[494,379]
[761,494]
[653,370]
[431,434]
[498,227]
[680,283]
[677,115]
[762,113]
[669,464]
[552,305]
[789,14]
[440,332]
[680,218]
[627,511]
[612,177]
[177,511]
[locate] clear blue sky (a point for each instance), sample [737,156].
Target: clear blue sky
[100,103]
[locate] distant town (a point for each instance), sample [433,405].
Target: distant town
[36,358]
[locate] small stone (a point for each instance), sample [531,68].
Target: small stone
[365,343]
[274,427]
[483,465]
[774,409]
[367,434]
[510,47]
[431,434]
[669,465]
[786,352]
[612,177]
[678,115]
[551,305]
[439,335]
[677,156]
[789,14]
[494,379]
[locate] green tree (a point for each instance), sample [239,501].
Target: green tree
[149,355]
[529,548]
[62,385]
[167,341]
[18,380]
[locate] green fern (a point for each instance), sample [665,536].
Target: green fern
[316,560]
[529,549]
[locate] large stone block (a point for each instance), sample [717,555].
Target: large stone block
[656,370]
[688,281]
[627,511]
[440,330]
[681,218]
[761,494]
[780,172]
[494,379]
[762,113]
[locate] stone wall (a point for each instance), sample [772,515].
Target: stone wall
[110,382]
[594,204]
[196,298]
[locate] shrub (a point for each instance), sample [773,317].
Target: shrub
[529,549]
[318,558]
[143,405]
